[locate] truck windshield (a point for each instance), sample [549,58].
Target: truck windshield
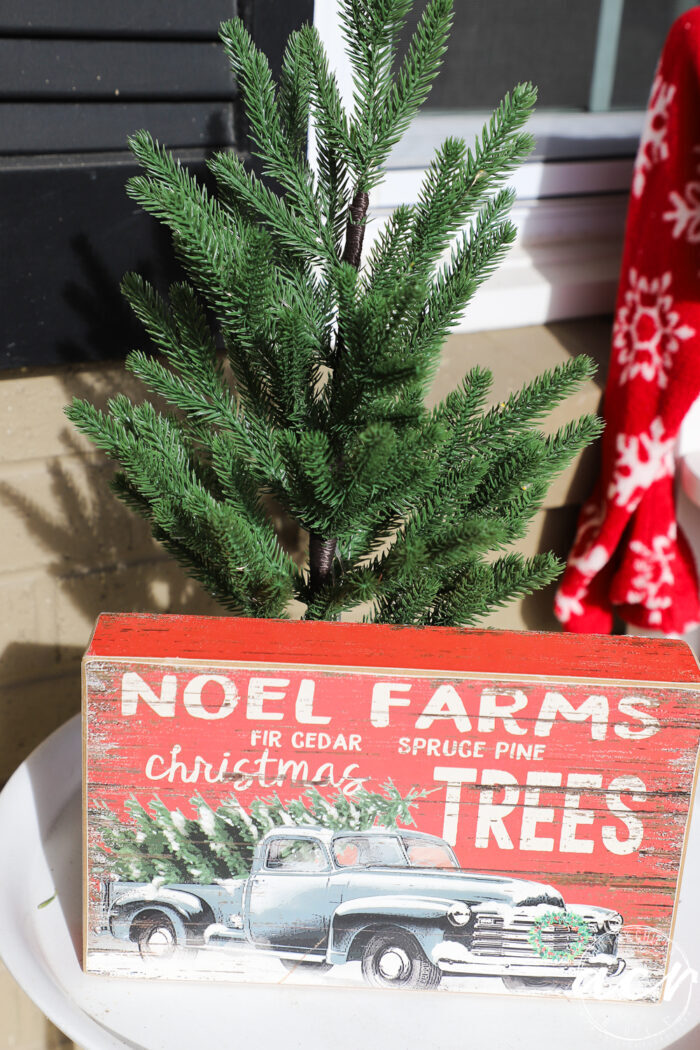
[368,851]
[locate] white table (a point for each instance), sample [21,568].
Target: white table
[40,856]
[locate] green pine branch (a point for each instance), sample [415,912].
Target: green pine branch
[290,370]
[218,843]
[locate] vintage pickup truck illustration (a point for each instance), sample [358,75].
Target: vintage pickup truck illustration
[394,900]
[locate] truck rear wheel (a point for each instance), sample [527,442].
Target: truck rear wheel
[392,958]
[155,936]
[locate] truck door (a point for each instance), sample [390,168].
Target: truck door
[288,897]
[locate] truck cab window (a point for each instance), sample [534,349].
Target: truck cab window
[368,851]
[295,855]
[424,853]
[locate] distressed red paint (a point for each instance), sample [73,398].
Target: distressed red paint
[563,759]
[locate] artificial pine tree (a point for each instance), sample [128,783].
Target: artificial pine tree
[219,844]
[296,370]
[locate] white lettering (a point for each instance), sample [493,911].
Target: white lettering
[534,814]
[616,789]
[650,724]
[490,710]
[178,768]
[383,700]
[193,696]
[262,689]
[454,779]
[595,707]
[573,815]
[134,689]
[492,814]
[304,709]
[150,767]
[445,703]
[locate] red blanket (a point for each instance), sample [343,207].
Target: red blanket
[628,553]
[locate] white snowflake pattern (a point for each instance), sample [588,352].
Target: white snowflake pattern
[647,331]
[640,460]
[684,213]
[587,556]
[568,605]
[592,561]
[653,146]
[652,566]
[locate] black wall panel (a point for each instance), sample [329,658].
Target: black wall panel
[67,229]
[35,68]
[80,127]
[71,234]
[191,19]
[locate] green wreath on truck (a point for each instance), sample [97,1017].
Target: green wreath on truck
[553,918]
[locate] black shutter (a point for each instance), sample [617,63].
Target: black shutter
[75,79]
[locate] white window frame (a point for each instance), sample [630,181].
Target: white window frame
[570,209]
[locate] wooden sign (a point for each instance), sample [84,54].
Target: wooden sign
[400,807]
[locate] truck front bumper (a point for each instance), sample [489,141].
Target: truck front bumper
[452,957]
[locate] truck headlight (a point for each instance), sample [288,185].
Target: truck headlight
[613,924]
[459,914]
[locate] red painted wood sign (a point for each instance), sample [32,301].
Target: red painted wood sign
[399,807]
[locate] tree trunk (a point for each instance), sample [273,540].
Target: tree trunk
[322,551]
[355,232]
[321,555]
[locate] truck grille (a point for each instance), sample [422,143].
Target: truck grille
[493,936]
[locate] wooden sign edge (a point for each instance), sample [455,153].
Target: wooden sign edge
[692,798]
[152,635]
[86,858]
[375,671]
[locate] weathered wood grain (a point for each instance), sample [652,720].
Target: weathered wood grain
[147,636]
[554,758]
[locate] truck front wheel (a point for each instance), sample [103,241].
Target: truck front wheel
[392,958]
[155,936]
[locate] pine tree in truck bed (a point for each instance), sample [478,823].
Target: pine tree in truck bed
[318,402]
[157,842]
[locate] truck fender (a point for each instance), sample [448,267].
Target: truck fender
[590,911]
[153,915]
[185,910]
[424,917]
[188,905]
